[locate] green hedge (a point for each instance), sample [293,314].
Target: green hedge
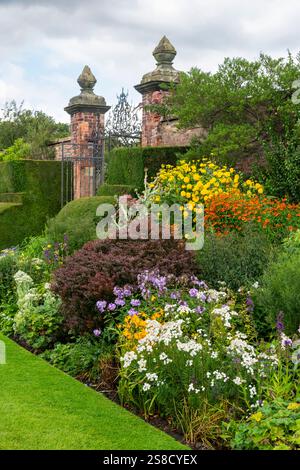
[77,220]
[115,190]
[40,185]
[126,166]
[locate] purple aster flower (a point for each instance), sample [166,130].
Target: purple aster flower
[183,303]
[111,307]
[120,302]
[118,291]
[127,292]
[175,295]
[199,309]
[202,297]
[193,292]
[250,304]
[132,312]
[279,322]
[97,333]
[135,303]
[198,283]
[101,305]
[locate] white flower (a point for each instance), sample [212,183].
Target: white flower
[214,355]
[146,387]
[191,346]
[255,285]
[142,365]
[189,363]
[128,358]
[252,390]
[21,278]
[151,377]
[238,381]
[226,314]
[191,388]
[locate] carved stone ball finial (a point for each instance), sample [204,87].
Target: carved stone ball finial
[164,52]
[87,101]
[86,79]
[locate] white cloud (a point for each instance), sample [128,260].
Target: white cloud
[44,45]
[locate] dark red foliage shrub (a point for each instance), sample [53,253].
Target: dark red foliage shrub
[94,270]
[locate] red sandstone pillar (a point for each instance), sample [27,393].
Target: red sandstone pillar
[87,130]
[153,93]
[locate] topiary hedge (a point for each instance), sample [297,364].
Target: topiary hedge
[126,166]
[115,190]
[77,220]
[40,185]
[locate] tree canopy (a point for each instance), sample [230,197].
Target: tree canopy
[35,129]
[247,109]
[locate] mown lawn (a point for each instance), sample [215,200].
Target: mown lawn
[42,408]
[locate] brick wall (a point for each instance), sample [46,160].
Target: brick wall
[83,125]
[159,132]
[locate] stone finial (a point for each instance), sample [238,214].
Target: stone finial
[164,54]
[87,101]
[87,79]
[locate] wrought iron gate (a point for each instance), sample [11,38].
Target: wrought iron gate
[82,170]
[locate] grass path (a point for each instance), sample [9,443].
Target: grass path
[42,408]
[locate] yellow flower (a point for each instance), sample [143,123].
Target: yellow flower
[257,416]
[186,179]
[293,406]
[183,193]
[157,198]
[261,190]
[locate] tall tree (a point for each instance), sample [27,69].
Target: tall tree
[247,109]
[35,128]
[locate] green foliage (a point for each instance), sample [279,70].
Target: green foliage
[77,221]
[8,300]
[38,320]
[247,109]
[279,291]
[20,150]
[78,358]
[281,176]
[127,166]
[40,181]
[238,259]
[34,128]
[275,426]
[115,190]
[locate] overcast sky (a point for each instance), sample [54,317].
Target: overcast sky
[45,44]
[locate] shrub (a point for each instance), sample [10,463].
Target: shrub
[79,359]
[115,190]
[92,273]
[38,320]
[127,165]
[76,221]
[238,259]
[8,299]
[279,291]
[40,183]
[274,426]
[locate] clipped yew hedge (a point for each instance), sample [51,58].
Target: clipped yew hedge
[39,183]
[126,166]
